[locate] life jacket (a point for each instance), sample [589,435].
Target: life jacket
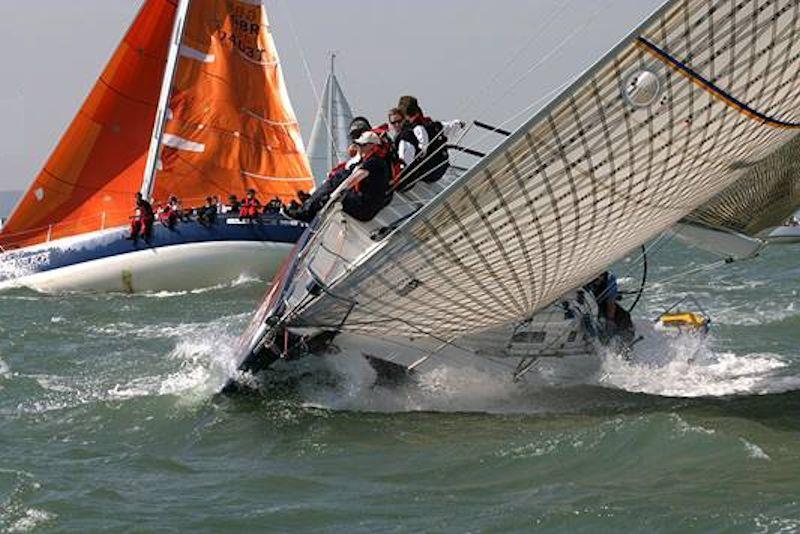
[433,164]
[388,151]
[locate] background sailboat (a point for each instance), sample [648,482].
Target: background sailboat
[329,139]
[192,103]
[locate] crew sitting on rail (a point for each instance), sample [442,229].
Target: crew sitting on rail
[369,189]
[273,207]
[250,207]
[142,220]
[167,215]
[232,206]
[428,138]
[177,208]
[314,203]
[208,213]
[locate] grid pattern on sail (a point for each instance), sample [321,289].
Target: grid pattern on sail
[591,177]
[765,197]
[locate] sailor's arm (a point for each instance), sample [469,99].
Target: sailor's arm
[422,138]
[406,152]
[452,129]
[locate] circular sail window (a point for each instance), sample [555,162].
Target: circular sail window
[642,88]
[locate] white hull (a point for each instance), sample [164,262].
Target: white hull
[171,268]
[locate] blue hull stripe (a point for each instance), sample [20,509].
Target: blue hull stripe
[113,243]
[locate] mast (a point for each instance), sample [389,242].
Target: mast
[329,138]
[332,153]
[163,99]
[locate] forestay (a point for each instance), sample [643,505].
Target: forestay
[695,101]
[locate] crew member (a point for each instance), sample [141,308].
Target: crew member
[369,189]
[251,206]
[208,213]
[314,203]
[167,215]
[232,206]
[606,293]
[142,220]
[430,161]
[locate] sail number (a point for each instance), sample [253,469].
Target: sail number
[244,35]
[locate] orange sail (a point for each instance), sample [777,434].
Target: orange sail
[230,124]
[89,181]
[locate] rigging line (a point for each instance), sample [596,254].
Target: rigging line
[689,272]
[306,68]
[542,61]
[644,280]
[657,243]
[535,34]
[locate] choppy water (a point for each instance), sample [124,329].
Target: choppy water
[108,421]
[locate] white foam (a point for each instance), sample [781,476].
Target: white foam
[31,519]
[688,367]
[754,451]
[242,279]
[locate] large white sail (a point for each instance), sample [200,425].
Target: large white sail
[700,98]
[329,139]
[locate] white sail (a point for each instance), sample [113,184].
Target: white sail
[700,99]
[329,139]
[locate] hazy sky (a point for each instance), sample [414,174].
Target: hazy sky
[462,58]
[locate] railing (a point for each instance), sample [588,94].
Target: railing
[337,243]
[97,222]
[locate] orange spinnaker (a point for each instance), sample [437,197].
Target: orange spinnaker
[91,176]
[232,126]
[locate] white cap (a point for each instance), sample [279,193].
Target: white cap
[368,138]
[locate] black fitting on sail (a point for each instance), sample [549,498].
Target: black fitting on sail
[491,128]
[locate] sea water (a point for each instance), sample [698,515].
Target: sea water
[108,420]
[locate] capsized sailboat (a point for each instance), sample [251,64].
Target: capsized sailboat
[192,104]
[693,119]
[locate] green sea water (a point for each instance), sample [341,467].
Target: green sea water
[108,421]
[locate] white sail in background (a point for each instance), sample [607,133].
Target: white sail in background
[699,103]
[329,139]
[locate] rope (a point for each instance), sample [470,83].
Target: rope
[307,70]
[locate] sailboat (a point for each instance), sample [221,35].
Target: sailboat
[330,138]
[193,104]
[690,124]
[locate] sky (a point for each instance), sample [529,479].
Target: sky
[492,60]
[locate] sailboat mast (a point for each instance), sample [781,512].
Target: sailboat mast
[333,156]
[163,99]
